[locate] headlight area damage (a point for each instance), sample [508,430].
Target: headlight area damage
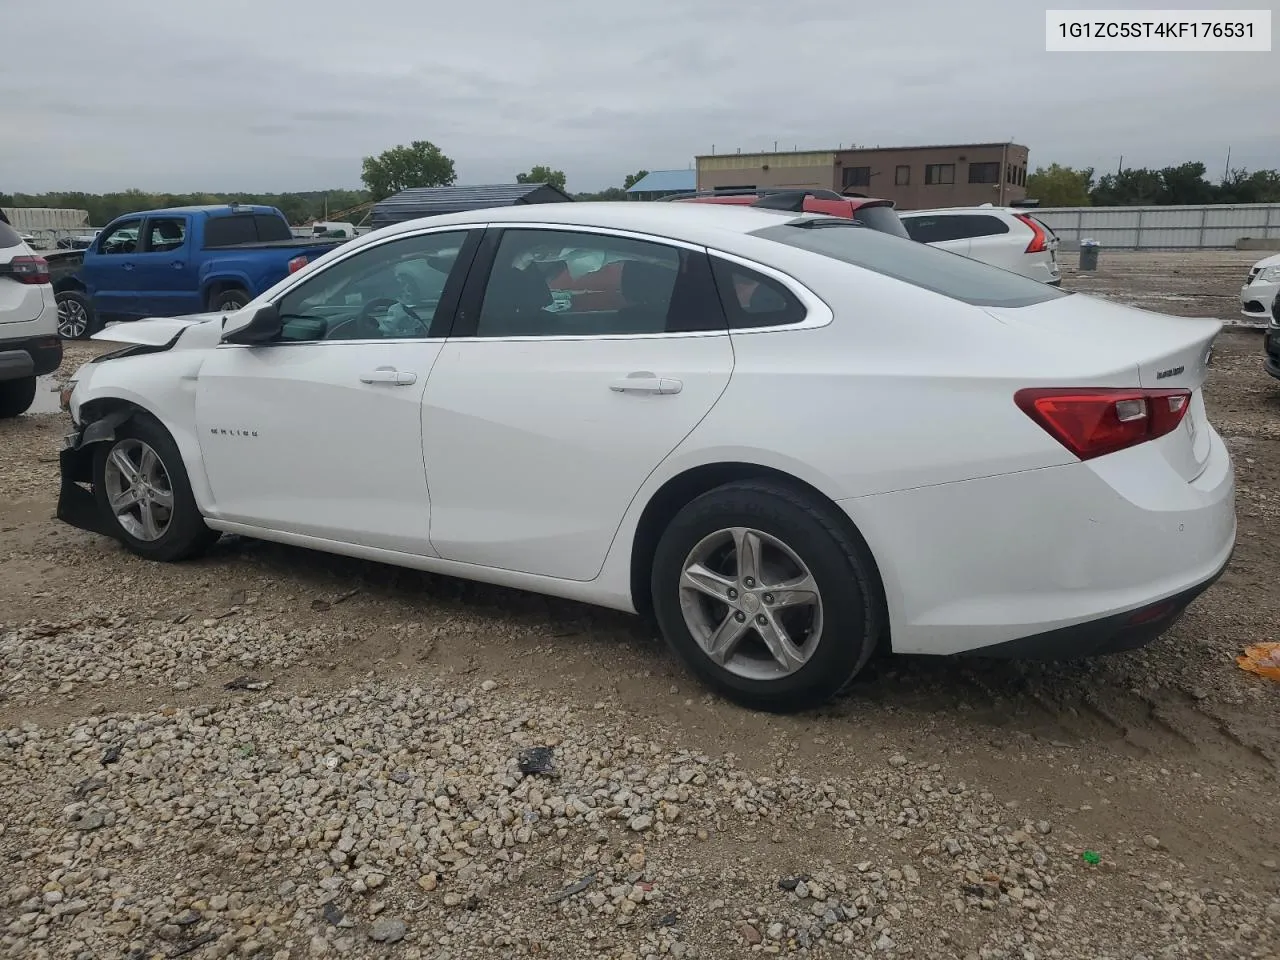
[76,502]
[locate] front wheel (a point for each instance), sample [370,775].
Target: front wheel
[765,596]
[141,487]
[16,396]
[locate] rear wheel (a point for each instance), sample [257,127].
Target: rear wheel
[75,315]
[765,596]
[226,301]
[141,486]
[16,396]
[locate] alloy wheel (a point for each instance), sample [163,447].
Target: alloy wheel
[751,603]
[73,321]
[139,490]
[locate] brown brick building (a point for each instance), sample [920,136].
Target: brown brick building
[955,175]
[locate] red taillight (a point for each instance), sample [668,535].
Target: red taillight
[1094,421]
[296,264]
[29,269]
[1039,243]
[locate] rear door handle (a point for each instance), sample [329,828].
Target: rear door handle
[646,383]
[397,378]
[127,266]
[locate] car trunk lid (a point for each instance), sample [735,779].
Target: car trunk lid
[1168,353]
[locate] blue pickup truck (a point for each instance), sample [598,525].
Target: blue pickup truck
[169,263]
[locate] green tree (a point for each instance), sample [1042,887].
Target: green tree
[611,193]
[634,178]
[1186,184]
[1134,187]
[542,174]
[1058,186]
[1241,186]
[420,164]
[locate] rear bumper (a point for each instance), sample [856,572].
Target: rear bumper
[1083,557]
[29,358]
[1114,634]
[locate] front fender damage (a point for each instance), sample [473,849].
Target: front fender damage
[77,504]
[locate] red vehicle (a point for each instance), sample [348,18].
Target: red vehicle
[876,214]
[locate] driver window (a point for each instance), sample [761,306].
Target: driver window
[387,292]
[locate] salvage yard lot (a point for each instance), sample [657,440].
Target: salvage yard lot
[368,802]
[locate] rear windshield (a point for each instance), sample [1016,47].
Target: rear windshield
[236,228]
[9,237]
[918,264]
[880,217]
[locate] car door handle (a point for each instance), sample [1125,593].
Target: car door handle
[398,378]
[177,264]
[127,266]
[646,383]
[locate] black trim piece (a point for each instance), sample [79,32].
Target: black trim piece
[1113,634]
[77,506]
[16,365]
[443,320]
[738,318]
[35,356]
[467,317]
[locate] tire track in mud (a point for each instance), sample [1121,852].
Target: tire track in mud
[1053,703]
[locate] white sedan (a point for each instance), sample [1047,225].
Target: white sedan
[1260,295]
[788,438]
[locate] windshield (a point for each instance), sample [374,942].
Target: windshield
[915,263]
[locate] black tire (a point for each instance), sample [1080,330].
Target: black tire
[73,305]
[186,535]
[226,301]
[16,396]
[852,606]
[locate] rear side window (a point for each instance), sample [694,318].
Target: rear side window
[751,299]
[558,283]
[9,237]
[271,227]
[918,264]
[951,226]
[165,234]
[227,231]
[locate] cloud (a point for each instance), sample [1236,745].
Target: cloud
[264,96]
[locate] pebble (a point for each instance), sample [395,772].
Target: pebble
[388,930]
[1152,842]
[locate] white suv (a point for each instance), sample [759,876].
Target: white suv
[1260,295]
[29,342]
[1005,237]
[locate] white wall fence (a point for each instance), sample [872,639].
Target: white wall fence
[1211,226]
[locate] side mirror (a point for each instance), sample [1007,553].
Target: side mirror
[263,326]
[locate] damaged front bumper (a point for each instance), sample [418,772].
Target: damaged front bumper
[77,504]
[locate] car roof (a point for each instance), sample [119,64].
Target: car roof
[1010,211]
[701,223]
[204,208]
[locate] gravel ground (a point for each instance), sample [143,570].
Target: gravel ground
[276,753]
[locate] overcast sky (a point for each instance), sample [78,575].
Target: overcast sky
[269,95]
